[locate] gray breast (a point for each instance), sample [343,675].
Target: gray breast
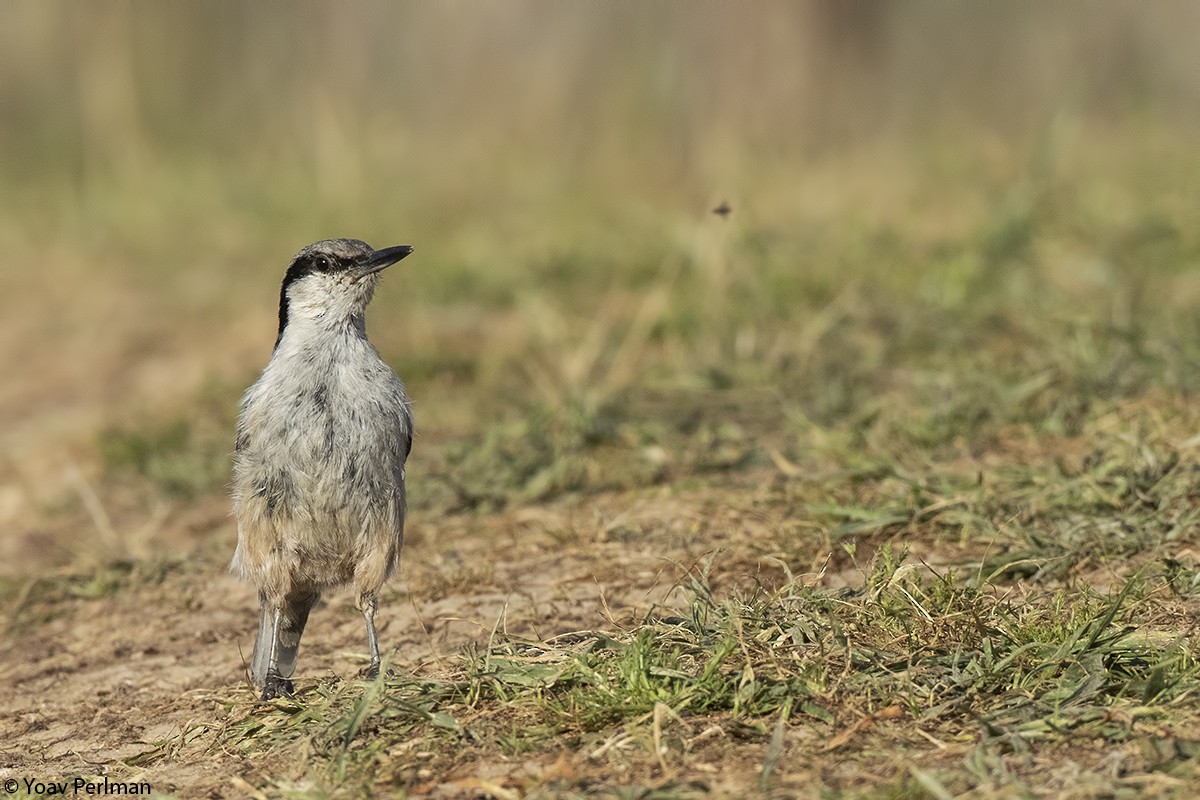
[323,431]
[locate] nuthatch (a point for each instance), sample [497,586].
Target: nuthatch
[318,479]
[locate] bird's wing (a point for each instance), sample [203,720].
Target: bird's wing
[406,414]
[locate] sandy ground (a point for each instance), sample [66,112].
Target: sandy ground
[89,683]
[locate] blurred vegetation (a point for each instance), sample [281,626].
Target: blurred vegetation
[908,181]
[531,145]
[951,227]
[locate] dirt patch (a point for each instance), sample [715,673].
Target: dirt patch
[91,683]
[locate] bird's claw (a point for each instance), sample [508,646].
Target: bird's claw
[277,686]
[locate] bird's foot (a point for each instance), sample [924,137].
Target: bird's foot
[277,686]
[372,672]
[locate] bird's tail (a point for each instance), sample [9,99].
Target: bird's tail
[292,618]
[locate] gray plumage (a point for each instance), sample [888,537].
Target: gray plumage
[322,438]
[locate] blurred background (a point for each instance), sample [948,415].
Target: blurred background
[911,183]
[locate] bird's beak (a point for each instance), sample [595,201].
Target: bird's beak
[381,260]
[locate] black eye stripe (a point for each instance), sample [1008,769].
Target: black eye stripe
[322,261]
[299,268]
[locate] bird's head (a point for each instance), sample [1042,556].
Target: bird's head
[332,281]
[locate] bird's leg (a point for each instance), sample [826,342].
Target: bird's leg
[275,684]
[367,604]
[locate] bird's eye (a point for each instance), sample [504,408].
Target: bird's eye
[321,263]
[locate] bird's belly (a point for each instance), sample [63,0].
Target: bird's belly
[331,489]
[325,534]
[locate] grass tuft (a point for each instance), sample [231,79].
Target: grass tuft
[908,650]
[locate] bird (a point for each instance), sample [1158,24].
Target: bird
[322,439]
